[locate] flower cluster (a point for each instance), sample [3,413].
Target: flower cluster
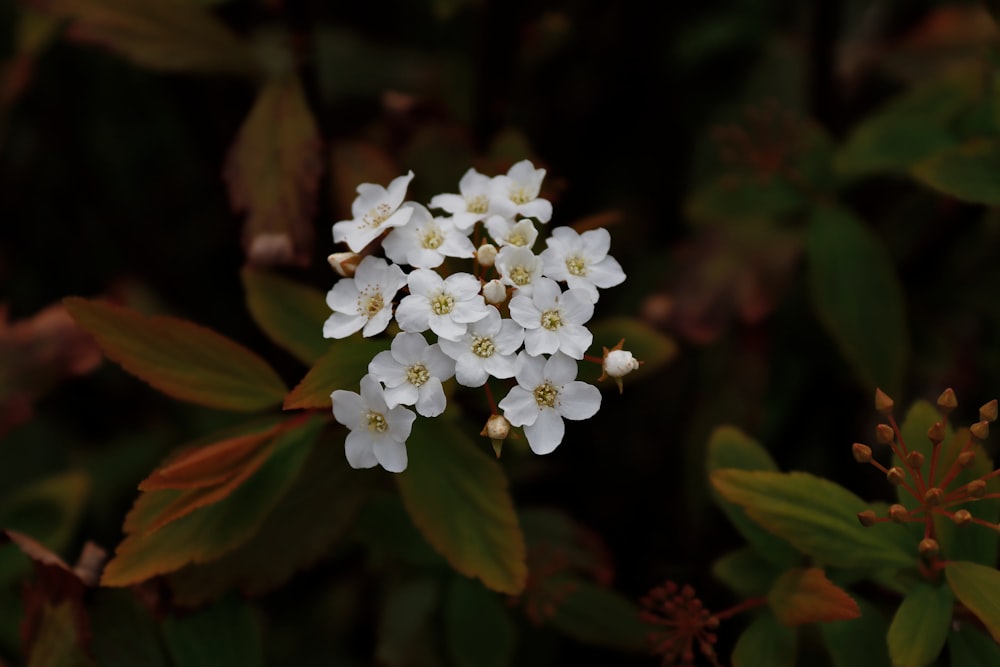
[519,315]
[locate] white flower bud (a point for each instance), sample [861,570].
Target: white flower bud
[344,263]
[486,254]
[495,292]
[497,429]
[619,363]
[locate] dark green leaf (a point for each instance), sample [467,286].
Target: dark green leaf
[478,626]
[224,635]
[765,642]
[596,615]
[746,572]
[978,588]
[405,614]
[290,313]
[125,634]
[966,172]
[342,367]
[920,626]
[968,647]
[859,641]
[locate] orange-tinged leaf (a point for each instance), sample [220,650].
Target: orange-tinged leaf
[273,173]
[180,358]
[805,595]
[342,367]
[169,35]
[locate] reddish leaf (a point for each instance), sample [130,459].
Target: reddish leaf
[342,367]
[180,358]
[273,172]
[170,35]
[805,595]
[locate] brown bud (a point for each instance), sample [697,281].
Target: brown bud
[862,453]
[936,433]
[497,429]
[976,488]
[933,496]
[988,413]
[867,518]
[915,459]
[884,434]
[882,402]
[965,459]
[895,475]
[961,517]
[981,429]
[928,547]
[898,513]
[345,263]
[947,400]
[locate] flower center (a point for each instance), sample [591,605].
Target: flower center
[478,204]
[483,346]
[371,304]
[442,303]
[376,216]
[417,375]
[576,266]
[520,196]
[546,394]
[520,276]
[433,239]
[552,319]
[378,424]
[517,239]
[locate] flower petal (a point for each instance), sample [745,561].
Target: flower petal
[348,408]
[519,407]
[358,447]
[546,433]
[341,325]
[578,400]
[386,369]
[430,398]
[391,454]
[413,313]
[560,369]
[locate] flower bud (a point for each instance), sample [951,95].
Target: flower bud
[933,496]
[884,434]
[486,254]
[915,460]
[882,402]
[988,413]
[898,513]
[862,453]
[961,517]
[495,292]
[928,547]
[867,518]
[895,475]
[965,459]
[936,433]
[981,429]
[497,429]
[344,263]
[947,400]
[618,363]
[976,488]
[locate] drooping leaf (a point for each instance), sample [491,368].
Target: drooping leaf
[858,297]
[765,642]
[978,588]
[457,496]
[317,510]
[805,595]
[598,615]
[226,634]
[728,447]
[920,627]
[859,641]
[180,358]
[968,647]
[342,367]
[210,531]
[746,572]
[651,347]
[478,628]
[965,172]
[816,516]
[168,35]
[273,174]
[290,313]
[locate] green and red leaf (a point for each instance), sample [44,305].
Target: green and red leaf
[805,595]
[978,588]
[342,367]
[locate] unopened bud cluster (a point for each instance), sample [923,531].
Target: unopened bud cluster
[517,316]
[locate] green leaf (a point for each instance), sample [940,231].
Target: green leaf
[921,416]
[804,595]
[125,634]
[816,516]
[858,297]
[651,347]
[180,358]
[970,542]
[765,642]
[728,447]
[978,588]
[859,641]
[597,615]
[920,626]
[457,496]
[968,647]
[57,642]
[224,635]
[290,313]
[387,532]
[405,614]
[746,572]
[967,172]
[341,367]
[478,627]
[208,532]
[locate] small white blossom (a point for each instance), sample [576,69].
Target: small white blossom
[412,372]
[520,187]
[473,204]
[378,434]
[494,292]
[445,305]
[364,301]
[553,319]
[507,232]
[581,260]
[619,363]
[425,241]
[547,392]
[518,267]
[488,348]
[375,210]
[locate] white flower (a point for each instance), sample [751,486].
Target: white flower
[412,372]
[494,292]
[619,363]
[378,434]
[425,241]
[488,348]
[546,393]
[581,260]
[364,300]
[554,319]
[518,267]
[520,187]
[507,232]
[446,305]
[473,204]
[375,210]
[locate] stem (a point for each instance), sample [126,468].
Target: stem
[747,604]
